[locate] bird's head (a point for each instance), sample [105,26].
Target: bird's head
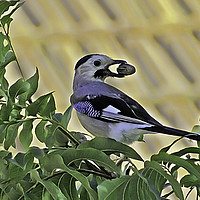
[95,67]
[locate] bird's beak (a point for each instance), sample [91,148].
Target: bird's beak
[112,74]
[106,72]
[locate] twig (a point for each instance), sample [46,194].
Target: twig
[95,173]
[73,139]
[9,42]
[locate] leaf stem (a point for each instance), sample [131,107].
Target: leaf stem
[63,130]
[66,132]
[95,173]
[9,42]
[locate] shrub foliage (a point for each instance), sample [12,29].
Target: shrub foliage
[68,168]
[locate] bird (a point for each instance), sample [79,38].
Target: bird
[103,110]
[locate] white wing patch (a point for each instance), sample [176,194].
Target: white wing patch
[111,109]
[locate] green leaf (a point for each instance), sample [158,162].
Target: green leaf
[174,183]
[55,161]
[10,56]
[57,117]
[2,74]
[11,135]
[52,161]
[83,180]
[4,173]
[19,87]
[72,155]
[155,180]
[25,161]
[4,5]
[48,109]
[50,137]
[114,189]
[61,139]
[180,162]
[26,135]
[36,152]
[83,193]
[66,117]
[20,188]
[3,82]
[143,184]
[3,130]
[109,188]
[43,106]
[3,48]
[190,181]
[34,194]
[4,154]
[19,160]
[46,194]
[6,19]
[69,191]
[52,188]
[187,151]
[11,193]
[16,172]
[15,113]
[81,137]
[33,81]
[111,146]
[3,95]
[196,129]
[5,111]
[40,131]
[143,188]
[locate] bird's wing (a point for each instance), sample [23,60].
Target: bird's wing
[120,108]
[138,110]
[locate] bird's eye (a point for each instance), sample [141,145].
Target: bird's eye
[97,63]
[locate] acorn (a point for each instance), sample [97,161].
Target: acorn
[126,69]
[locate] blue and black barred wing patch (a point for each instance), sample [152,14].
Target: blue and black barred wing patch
[87,108]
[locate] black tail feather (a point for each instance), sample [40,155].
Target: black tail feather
[173,131]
